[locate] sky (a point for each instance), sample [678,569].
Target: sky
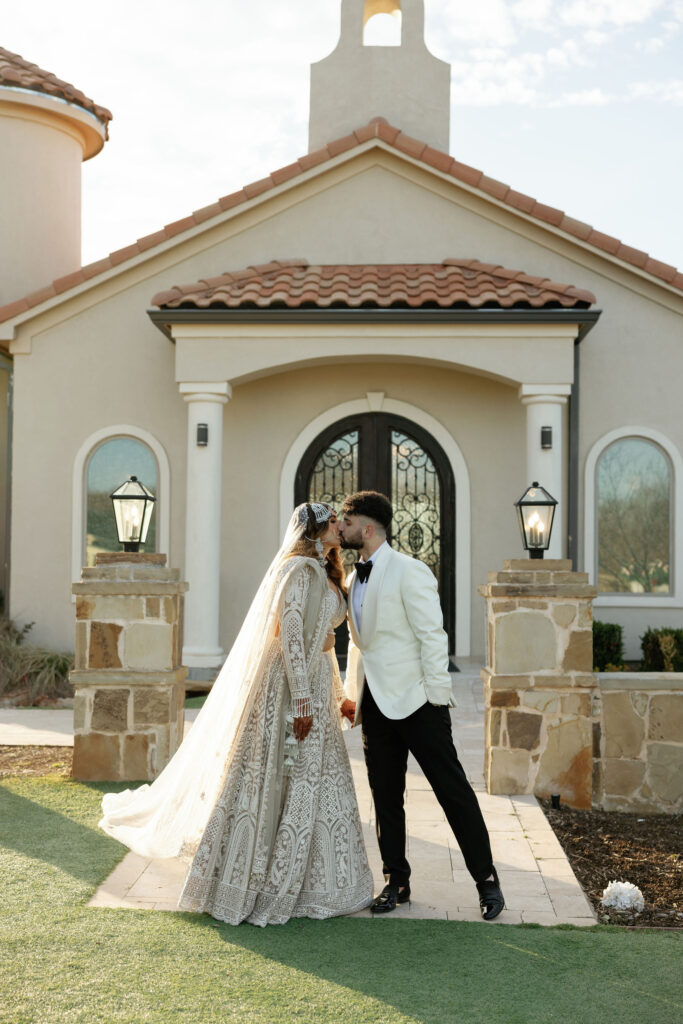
[578,103]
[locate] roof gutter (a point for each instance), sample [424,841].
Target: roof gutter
[164,319]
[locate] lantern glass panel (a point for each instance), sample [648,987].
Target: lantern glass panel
[538,521]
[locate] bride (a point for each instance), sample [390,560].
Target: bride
[259,798]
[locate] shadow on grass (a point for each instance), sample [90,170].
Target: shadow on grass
[43,833]
[447,971]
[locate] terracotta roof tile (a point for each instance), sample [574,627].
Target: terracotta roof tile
[377,128]
[493,187]
[520,201]
[62,284]
[454,283]
[470,175]
[574,227]
[413,147]
[341,145]
[149,241]
[121,255]
[435,158]
[547,213]
[602,241]
[207,212]
[637,256]
[234,199]
[257,187]
[659,269]
[17,72]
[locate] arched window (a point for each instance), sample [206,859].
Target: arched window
[382,21]
[634,486]
[109,464]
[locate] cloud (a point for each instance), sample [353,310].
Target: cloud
[665,92]
[583,98]
[670,29]
[594,13]
[486,22]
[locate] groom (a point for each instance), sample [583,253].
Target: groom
[398,675]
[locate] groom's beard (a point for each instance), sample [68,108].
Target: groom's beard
[349,544]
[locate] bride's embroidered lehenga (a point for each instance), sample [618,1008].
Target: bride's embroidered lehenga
[285,839]
[268,824]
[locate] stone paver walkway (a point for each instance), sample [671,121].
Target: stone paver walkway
[536,877]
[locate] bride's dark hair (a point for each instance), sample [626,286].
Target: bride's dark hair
[306,546]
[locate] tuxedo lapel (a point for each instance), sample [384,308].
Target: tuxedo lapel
[372,597]
[353,625]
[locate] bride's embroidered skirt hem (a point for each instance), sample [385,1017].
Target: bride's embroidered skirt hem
[236,906]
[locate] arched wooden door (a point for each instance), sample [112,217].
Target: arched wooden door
[391,454]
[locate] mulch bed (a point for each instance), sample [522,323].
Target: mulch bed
[35,761]
[605,846]
[601,845]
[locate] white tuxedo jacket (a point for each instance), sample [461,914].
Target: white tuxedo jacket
[401,647]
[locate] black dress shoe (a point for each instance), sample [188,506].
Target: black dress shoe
[389,898]
[490,897]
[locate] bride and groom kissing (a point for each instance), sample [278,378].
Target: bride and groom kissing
[259,799]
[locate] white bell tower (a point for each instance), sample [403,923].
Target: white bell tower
[405,84]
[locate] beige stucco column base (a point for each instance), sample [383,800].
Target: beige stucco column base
[128,680]
[538,680]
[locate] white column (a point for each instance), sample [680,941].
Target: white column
[205,402]
[545,407]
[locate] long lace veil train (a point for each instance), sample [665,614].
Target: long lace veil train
[168,817]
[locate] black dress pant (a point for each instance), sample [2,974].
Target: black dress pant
[427,735]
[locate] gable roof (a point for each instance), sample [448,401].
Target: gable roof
[376,129]
[452,284]
[15,72]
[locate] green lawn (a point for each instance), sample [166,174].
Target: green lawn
[195,702]
[63,962]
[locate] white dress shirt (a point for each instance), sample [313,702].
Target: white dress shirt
[359,588]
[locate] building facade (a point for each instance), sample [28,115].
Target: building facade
[375,314]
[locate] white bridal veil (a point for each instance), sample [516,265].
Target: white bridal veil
[168,817]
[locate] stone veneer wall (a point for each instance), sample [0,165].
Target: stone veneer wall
[128,679]
[638,742]
[538,681]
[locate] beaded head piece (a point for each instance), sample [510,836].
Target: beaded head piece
[321,513]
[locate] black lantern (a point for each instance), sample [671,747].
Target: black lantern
[133,507]
[535,511]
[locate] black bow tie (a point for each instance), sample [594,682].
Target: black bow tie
[363,570]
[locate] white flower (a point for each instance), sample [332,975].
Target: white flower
[623,896]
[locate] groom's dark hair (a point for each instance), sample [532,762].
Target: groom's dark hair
[371,504]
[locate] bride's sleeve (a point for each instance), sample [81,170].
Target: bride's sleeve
[293,650]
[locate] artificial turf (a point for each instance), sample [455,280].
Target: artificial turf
[61,961]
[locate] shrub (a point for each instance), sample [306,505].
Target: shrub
[662,650]
[32,671]
[608,646]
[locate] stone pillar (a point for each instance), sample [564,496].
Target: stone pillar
[538,681]
[203,523]
[128,680]
[545,407]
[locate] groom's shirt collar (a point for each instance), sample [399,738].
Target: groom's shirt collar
[373,557]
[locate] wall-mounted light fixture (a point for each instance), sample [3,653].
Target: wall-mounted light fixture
[546,437]
[202,435]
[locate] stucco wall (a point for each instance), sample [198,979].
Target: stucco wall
[4,455]
[40,199]
[119,369]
